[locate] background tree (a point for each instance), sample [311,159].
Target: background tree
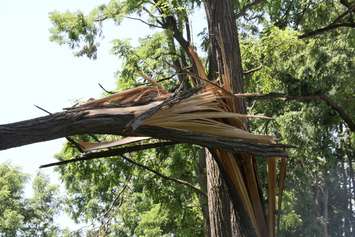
[27,216]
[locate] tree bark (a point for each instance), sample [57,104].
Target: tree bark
[202,178]
[114,121]
[218,200]
[225,58]
[325,211]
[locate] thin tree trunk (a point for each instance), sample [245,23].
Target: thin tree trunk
[325,211]
[351,195]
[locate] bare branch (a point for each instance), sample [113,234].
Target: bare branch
[109,153]
[253,70]
[119,153]
[108,92]
[147,23]
[326,29]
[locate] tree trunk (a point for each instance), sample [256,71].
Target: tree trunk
[325,211]
[218,200]
[202,178]
[225,58]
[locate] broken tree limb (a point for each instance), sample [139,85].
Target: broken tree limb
[114,121]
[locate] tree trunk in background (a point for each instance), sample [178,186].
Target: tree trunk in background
[325,211]
[351,195]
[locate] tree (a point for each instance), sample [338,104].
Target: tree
[301,77]
[27,217]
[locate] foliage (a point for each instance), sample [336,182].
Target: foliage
[27,216]
[318,167]
[320,181]
[133,200]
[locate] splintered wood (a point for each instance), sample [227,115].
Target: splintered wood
[209,111]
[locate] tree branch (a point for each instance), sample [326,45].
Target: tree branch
[252,70]
[247,7]
[179,181]
[109,153]
[119,152]
[114,121]
[138,19]
[336,23]
[327,28]
[331,103]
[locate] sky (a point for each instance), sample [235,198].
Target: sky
[35,71]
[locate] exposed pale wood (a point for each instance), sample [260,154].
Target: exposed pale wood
[71,123]
[90,146]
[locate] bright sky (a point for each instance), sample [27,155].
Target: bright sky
[35,71]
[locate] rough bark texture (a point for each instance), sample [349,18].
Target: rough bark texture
[221,24]
[113,121]
[202,178]
[60,125]
[225,58]
[218,200]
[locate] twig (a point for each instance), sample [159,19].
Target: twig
[179,181]
[109,153]
[252,70]
[109,92]
[44,110]
[143,21]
